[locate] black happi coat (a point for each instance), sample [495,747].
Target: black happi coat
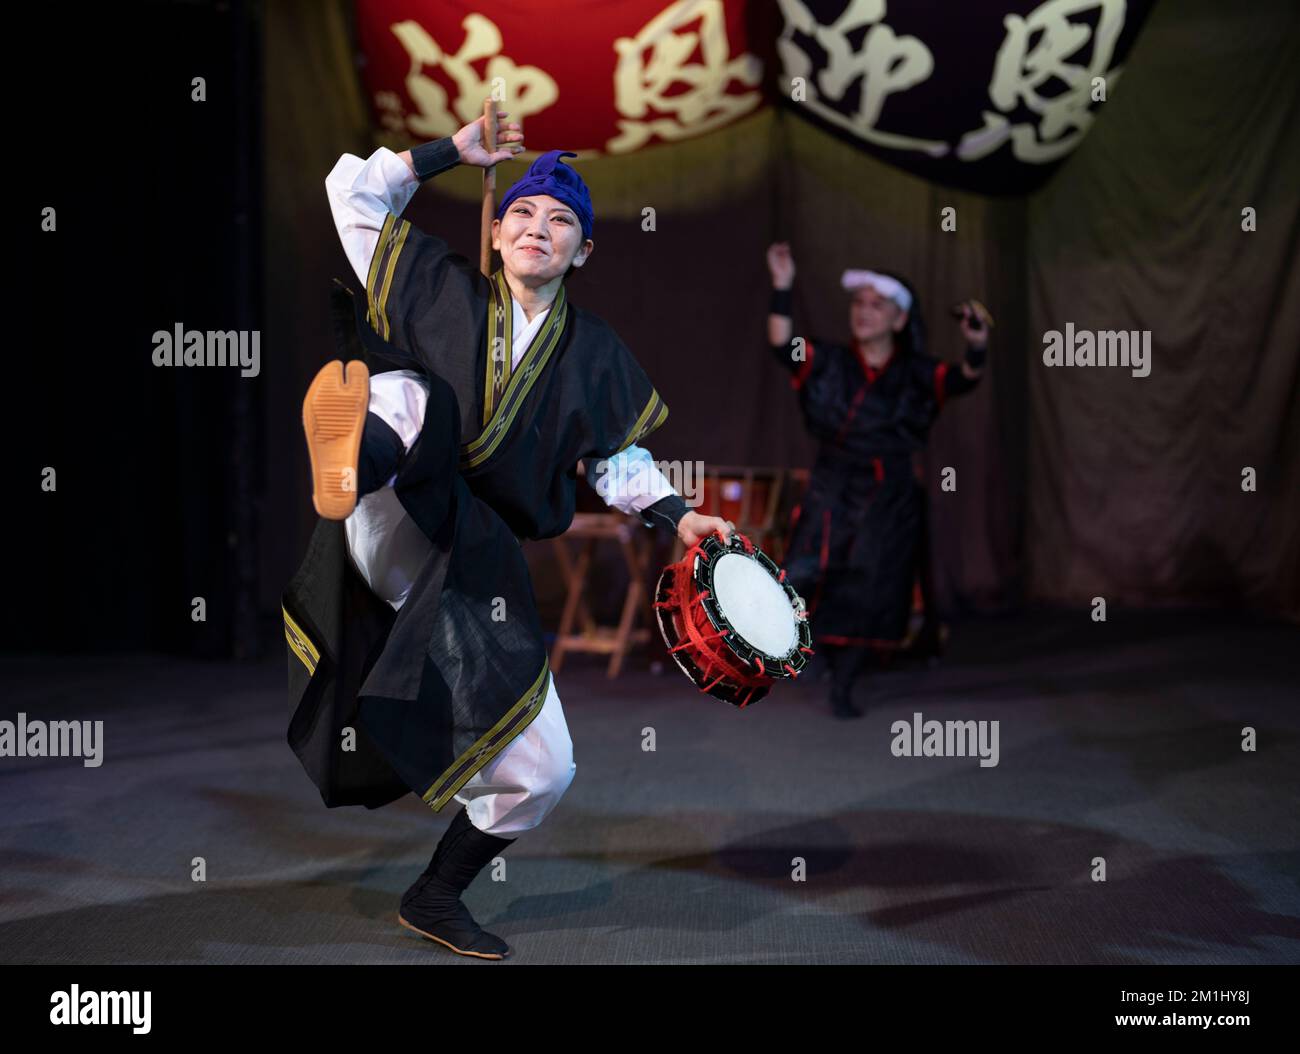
[854,541]
[437,689]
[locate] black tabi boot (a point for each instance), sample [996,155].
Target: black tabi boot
[846,666]
[432,906]
[929,643]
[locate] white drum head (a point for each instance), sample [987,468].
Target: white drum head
[755,604]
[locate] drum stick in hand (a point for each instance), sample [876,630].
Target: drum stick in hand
[489,188]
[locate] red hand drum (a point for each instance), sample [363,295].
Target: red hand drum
[731,621]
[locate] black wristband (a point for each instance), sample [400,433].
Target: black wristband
[667,511]
[975,356]
[429,159]
[781,302]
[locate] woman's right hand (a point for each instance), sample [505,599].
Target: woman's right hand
[470,146]
[781,265]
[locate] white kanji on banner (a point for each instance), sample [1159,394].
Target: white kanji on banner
[650,63]
[885,63]
[527,89]
[1021,72]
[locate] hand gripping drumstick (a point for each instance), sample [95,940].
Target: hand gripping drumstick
[978,310]
[489,188]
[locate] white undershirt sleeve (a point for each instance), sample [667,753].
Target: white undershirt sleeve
[629,481]
[361,195]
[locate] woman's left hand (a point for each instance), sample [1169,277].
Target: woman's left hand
[473,151]
[694,528]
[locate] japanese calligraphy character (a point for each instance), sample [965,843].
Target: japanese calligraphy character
[1021,72]
[656,59]
[529,89]
[886,63]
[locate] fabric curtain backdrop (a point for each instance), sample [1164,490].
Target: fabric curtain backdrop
[1070,483]
[314,113]
[1135,483]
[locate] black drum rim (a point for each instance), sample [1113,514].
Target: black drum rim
[786,666]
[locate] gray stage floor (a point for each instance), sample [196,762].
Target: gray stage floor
[1120,741]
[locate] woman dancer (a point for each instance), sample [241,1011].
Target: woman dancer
[417,657]
[870,404]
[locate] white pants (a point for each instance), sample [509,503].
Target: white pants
[516,789]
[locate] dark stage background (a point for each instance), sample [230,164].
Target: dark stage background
[179,483]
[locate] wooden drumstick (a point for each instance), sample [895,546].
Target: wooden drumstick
[489,188]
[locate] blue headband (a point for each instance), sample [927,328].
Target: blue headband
[549,175]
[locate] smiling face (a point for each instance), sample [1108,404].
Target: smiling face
[872,315]
[539,238]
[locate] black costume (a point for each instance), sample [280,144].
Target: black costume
[438,688]
[853,551]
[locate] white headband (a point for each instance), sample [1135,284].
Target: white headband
[881,283]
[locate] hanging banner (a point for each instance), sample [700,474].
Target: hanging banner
[989,95]
[986,95]
[607,78]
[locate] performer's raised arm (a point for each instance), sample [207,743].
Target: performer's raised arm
[796,355]
[780,325]
[403,267]
[953,379]
[362,194]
